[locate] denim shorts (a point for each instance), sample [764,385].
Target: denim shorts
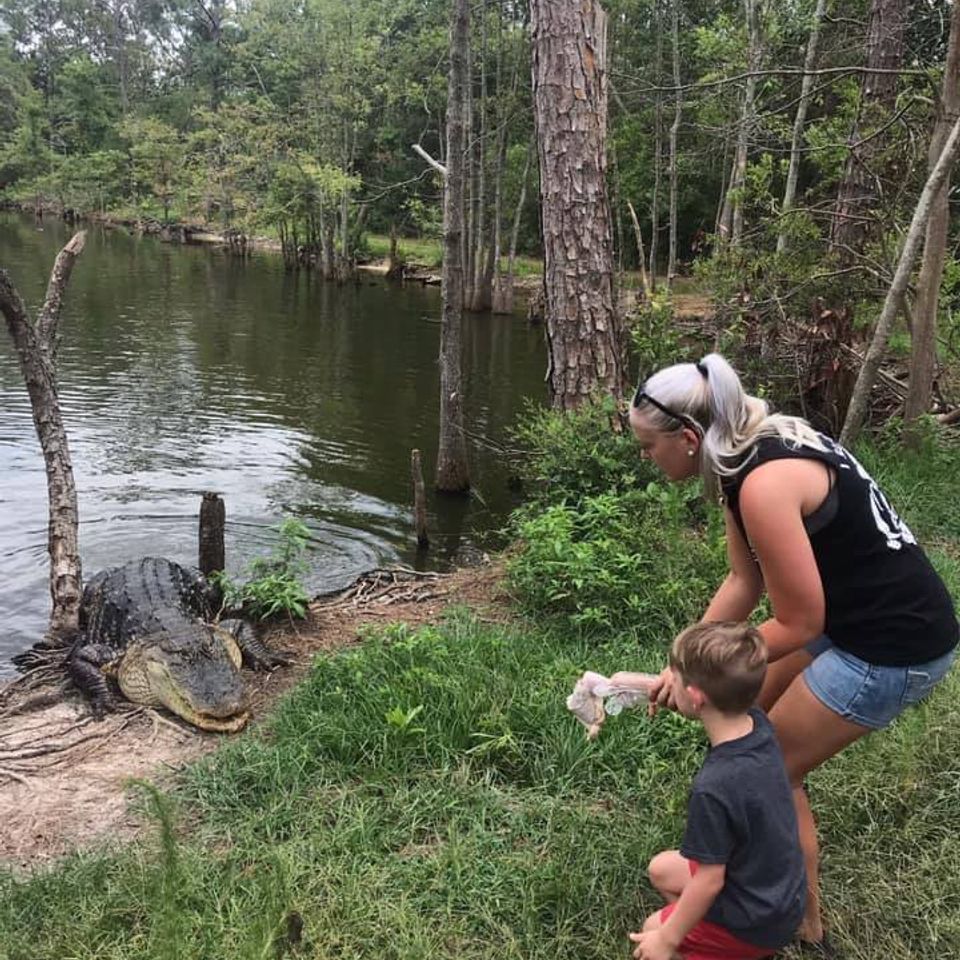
[867,693]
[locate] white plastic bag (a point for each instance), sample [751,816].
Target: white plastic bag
[594,698]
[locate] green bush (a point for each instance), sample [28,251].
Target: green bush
[655,339]
[619,560]
[578,454]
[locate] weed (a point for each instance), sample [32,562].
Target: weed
[274,583]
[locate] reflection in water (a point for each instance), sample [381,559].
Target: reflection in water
[184,370]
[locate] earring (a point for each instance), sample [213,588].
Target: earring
[691,452]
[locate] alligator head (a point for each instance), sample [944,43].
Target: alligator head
[193,671]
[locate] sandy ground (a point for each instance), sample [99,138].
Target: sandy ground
[64,778]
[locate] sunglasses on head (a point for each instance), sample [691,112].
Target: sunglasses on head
[641,397]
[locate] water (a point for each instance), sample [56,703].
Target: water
[184,370]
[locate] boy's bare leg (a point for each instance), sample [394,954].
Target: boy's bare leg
[669,872]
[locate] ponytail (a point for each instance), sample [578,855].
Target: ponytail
[729,421]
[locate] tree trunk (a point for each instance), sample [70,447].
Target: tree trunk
[799,122]
[894,300]
[492,275]
[211,553]
[503,290]
[570,103]
[638,233]
[738,179]
[470,185]
[36,346]
[452,472]
[924,331]
[657,147]
[674,131]
[853,219]
[479,294]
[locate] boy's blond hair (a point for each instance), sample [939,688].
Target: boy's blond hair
[726,660]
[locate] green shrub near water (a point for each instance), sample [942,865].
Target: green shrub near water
[617,561]
[274,583]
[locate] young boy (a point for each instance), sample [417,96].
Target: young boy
[735,890]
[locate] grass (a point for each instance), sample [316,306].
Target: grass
[426,794]
[429,253]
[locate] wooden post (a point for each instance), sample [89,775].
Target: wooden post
[419,500]
[213,518]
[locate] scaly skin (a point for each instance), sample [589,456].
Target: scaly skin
[144,624]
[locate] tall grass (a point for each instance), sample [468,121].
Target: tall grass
[427,795]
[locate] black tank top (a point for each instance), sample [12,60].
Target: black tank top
[884,601]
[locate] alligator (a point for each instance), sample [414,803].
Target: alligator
[149,625]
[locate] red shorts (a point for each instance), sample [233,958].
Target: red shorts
[710,941]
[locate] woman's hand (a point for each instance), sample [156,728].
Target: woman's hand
[661,693]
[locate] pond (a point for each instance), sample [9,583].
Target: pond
[183,369]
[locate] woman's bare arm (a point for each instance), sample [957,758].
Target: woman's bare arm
[772,501]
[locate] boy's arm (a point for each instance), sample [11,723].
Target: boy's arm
[698,894]
[663,941]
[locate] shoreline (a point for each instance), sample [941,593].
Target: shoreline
[187,233]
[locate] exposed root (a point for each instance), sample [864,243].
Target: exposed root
[11,775]
[30,749]
[388,585]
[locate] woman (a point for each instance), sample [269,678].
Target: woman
[862,625]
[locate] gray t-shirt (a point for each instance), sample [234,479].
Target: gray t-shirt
[741,814]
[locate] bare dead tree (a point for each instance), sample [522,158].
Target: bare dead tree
[923,353]
[452,472]
[36,344]
[570,104]
[638,235]
[894,299]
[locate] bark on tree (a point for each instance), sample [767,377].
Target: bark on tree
[493,276]
[503,289]
[657,146]
[894,299]
[731,219]
[674,132]
[452,473]
[211,554]
[638,234]
[799,122]
[479,292]
[419,501]
[584,341]
[923,353]
[36,345]
[858,192]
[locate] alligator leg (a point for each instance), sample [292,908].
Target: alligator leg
[256,654]
[86,668]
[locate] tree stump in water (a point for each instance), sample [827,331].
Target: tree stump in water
[536,309]
[213,520]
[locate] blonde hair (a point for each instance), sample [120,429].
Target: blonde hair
[727,660]
[729,420]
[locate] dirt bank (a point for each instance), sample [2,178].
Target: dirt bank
[64,777]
